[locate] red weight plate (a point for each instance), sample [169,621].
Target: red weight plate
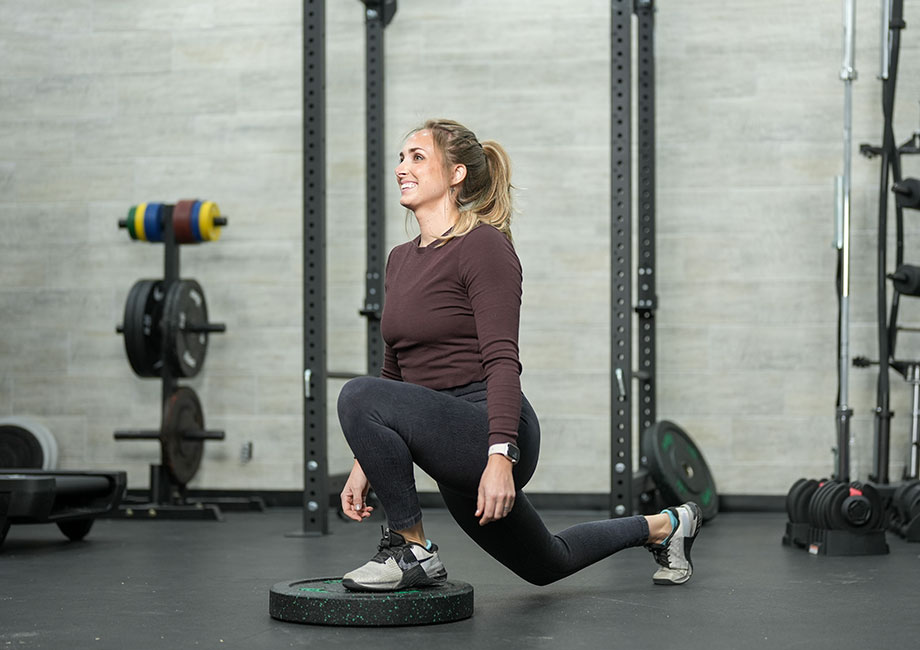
[182,222]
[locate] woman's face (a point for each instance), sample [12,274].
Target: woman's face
[420,173]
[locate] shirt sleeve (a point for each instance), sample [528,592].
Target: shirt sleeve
[491,272]
[390,369]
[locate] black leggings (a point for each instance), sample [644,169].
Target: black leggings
[391,424]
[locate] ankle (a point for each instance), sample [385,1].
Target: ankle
[660,527]
[414,535]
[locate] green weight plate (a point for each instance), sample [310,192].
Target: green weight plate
[182,456]
[324,601]
[185,307]
[141,324]
[129,222]
[678,468]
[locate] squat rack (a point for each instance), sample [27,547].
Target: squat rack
[624,483]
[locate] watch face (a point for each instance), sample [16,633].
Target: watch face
[514,453]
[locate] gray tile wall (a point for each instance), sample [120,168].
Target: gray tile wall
[104,104]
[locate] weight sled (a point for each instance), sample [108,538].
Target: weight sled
[72,500]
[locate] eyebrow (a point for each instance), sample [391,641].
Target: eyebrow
[416,149]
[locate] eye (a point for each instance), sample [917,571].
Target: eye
[419,156]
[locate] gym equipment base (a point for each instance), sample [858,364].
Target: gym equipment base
[797,534]
[843,542]
[177,511]
[325,601]
[72,500]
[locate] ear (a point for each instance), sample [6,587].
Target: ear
[459,174]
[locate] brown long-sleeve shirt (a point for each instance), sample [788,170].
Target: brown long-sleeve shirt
[451,317]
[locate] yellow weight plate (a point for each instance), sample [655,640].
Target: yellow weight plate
[206,215]
[139,221]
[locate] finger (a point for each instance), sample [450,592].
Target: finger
[349,511]
[499,509]
[490,508]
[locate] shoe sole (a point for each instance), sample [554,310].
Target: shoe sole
[688,544]
[412,582]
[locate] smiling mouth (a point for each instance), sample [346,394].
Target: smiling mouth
[407,186]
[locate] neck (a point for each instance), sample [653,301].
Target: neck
[434,223]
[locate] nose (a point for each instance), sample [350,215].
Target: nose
[400,171]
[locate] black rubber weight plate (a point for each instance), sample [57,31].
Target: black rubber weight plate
[182,413]
[324,601]
[143,311]
[19,448]
[679,469]
[185,307]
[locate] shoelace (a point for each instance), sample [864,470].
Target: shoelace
[661,555]
[385,548]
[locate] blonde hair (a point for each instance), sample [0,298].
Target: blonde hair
[485,193]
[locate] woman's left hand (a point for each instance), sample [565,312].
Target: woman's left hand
[496,490]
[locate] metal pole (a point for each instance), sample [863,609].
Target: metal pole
[378,14]
[621,464]
[316,468]
[885,49]
[848,75]
[912,472]
[892,23]
[647,301]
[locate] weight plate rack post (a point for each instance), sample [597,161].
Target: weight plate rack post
[166,329]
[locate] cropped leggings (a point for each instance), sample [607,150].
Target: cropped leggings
[390,425]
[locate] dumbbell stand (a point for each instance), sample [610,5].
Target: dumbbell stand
[843,542]
[797,534]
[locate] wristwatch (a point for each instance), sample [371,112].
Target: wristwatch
[508,450]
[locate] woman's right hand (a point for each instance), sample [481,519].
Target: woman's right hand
[354,495]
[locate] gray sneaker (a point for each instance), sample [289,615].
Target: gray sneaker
[674,554]
[398,564]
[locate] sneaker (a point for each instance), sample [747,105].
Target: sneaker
[398,564]
[674,553]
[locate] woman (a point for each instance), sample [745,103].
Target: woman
[449,396]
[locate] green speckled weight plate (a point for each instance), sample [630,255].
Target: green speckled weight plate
[325,601]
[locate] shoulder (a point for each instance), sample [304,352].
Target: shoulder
[402,249]
[485,249]
[486,240]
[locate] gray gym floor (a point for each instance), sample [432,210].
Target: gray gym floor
[163,584]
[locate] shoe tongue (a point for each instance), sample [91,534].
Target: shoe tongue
[392,538]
